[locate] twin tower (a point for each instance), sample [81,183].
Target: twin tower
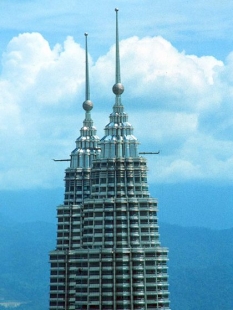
[108,254]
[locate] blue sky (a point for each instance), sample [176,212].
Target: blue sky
[176,66]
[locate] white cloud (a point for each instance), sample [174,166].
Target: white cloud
[154,71]
[186,103]
[47,74]
[38,84]
[199,157]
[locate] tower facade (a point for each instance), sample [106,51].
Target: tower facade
[108,254]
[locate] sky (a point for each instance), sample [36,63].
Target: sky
[176,67]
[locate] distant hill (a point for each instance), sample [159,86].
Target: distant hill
[200,266]
[24,267]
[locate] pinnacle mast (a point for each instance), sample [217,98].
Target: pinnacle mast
[87,104]
[87,71]
[118,73]
[117,88]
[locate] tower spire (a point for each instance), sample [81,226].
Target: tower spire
[117,88]
[119,141]
[87,143]
[118,73]
[87,71]
[87,104]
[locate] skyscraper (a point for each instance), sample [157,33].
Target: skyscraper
[108,254]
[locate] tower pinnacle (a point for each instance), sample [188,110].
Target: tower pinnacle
[119,141]
[87,143]
[117,88]
[87,104]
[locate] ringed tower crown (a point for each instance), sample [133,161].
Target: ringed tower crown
[119,140]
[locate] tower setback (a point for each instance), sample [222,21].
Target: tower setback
[108,254]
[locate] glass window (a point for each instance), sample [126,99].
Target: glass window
[97,223]
[98,214]
[97,239]
[94,272]
[94,281]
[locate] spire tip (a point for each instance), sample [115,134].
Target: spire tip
[117,88]
[87,104]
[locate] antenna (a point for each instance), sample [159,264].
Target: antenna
[87,71]
[150,153]
[87,104]
[118,70]
[117,88]
[61,159]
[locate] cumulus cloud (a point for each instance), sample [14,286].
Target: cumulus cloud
[154,71]
[49,74]
[186,103]
[37,85]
